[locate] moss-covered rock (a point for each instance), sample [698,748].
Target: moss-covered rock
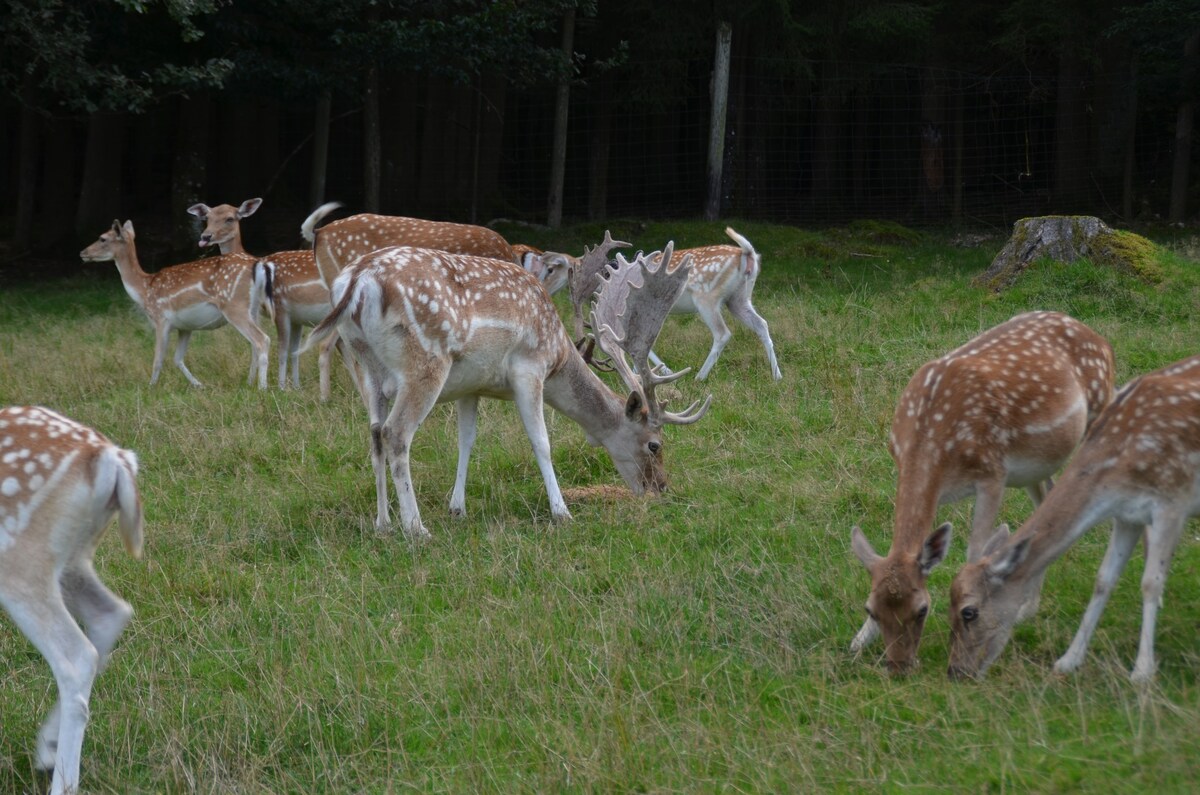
[1068,238]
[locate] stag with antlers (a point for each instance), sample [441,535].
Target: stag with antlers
[429,327]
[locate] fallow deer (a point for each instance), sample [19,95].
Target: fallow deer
[60,485]
[195,296]
[1004,410]
[722,276]
[1138,466]
[429,327]
[339,243]
[298,297]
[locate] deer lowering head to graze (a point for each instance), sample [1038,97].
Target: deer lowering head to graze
[61,483]
[1004,410]
[429,327]
[299,298]
[195,296]
[339,243]
[1139,466]
[721,277]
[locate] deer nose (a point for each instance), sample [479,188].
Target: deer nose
[205,239]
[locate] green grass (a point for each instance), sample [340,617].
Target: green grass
[696,642]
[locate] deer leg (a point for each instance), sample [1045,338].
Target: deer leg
[1165,530]
[988,496]
[711,315]
[377,408]
[260,344]
[527,393]
[185,339]
[294,352]
[865,637]
[467,409]
[741,308]
[44,619]
[162,334]
[283,330]
[323,355]
[1121,542]
[409,410]
[658,364]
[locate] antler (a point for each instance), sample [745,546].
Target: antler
[627,317]
[588,273]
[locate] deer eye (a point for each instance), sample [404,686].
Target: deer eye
[924,611]
[969,614]
[654,447]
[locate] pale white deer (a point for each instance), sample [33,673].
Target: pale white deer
[195,296]
[60,485]
[1140,466]
[298,297]
[1004,410]
[339,243]
[429,327]
[722,277]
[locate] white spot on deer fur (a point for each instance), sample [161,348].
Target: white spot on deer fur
[9,487]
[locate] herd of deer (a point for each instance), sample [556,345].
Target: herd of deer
[429,312]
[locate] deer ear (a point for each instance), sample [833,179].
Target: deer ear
[116,227]
[1007,559]
[248,207]
[998,539]
[934,550]
[862,548]
[128,230]
[199,210]
[635,407]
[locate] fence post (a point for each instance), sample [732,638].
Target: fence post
[716,128]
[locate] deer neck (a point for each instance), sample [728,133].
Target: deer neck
[136,280]
[232,246]
[577,392]
[918,488]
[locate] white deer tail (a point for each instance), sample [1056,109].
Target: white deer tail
[262,290]
[116,487]
[751,261]
[308,228]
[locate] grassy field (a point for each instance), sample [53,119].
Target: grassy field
[692,643]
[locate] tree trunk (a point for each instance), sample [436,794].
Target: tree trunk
[320,156]
[716,125]
[101,189]
[27,171]
[189,169]
[372,157]
[558,156]
[1183,130]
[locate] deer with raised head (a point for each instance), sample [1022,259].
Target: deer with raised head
[1004,410]
[61,483]
[195,296]
[722,277]
[428,327]
[298,297]
[1139,466]
[339,243]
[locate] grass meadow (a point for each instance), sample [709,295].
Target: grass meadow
[691,643]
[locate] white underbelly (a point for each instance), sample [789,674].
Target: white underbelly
[197,317]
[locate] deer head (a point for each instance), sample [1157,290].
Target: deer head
[222,227]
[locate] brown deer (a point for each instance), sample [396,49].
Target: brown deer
[722,277]
[429,327]
[298,297]
[1004,410]
[196,296]
[60,485]
[1138,466]
[339,243]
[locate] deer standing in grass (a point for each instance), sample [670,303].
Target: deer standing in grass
[60,485]
[722,277]
[1139,466]
[1004,410]
[428,327]
[195,296]
[299,297]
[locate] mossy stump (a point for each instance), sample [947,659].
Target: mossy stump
[1067,238]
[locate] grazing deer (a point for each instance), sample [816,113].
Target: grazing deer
[60,485]
[1004,410]
[195,296]
[1137,466]
[339,243]
[722,277]
[429,327]
[298,297]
